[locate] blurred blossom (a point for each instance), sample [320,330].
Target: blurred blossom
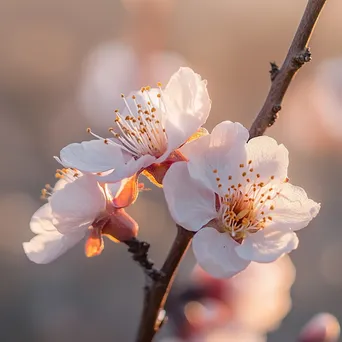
[115,68]
[243,308]
[323,327]
[328,82]
[139,5]
[259,297]
[314,111]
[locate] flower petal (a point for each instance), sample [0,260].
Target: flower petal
[293,207]
[268,158]
[41,221]
[215,253]
[49,244]
[218,155]
[92,156]
[78,203]
[191,204]
[268,245]
[129,169]
[187,105]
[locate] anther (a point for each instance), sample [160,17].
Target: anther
[88,130]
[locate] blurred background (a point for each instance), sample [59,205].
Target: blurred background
[63,65]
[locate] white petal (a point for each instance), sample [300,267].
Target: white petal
[41,220]
[188,106]
[293,207]
[92,156]
[78,203]
[128,170]
[268,158]
[44,248]
[223,150]
[228,133]
[191,204]
[268,245]
[215,253]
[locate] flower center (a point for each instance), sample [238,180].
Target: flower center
[246,207]
[142,130]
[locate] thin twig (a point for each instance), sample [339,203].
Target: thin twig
[156,295]
[139,249]
[297,55]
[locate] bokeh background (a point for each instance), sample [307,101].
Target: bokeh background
[63,65]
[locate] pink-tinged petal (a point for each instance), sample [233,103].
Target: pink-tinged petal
[49,244]
[215,253]
[41,221]
[268,245]
[323,327]
[226,134]
[92,156]
[77,204]
[187,105]
[293,207]
[129,169]
[190,203]
[268,158]
[212,158]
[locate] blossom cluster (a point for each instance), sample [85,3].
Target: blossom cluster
[231,191]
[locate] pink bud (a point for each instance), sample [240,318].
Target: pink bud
[323,327]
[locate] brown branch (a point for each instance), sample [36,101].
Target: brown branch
[139,250]
[157,293]
[297,55]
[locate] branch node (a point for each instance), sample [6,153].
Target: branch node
[302,58]
[139,249]
[276,108]
[274,70]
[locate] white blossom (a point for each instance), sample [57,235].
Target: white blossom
[78,207]
[236,197]
[147,133]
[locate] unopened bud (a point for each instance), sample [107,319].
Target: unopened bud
[323,327]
